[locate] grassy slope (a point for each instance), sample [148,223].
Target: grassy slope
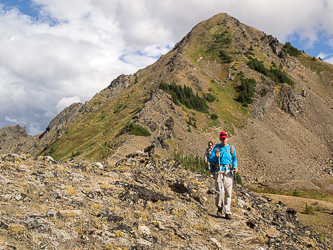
[323,70]
[230,111]
[95,135]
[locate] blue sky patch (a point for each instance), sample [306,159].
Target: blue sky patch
[318,47]
[24,6]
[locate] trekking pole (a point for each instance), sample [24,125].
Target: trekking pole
[219,172]
[235,184]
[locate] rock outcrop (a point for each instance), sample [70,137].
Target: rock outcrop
[15,139]
[140,203]
[63,118]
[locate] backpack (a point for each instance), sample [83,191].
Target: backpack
[231,149]
[215,166]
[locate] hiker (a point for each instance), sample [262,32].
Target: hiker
[223,163]
[207,153]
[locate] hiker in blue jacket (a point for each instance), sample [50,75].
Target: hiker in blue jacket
[223,163]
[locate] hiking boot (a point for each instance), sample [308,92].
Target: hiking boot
[219,211]
[228,216]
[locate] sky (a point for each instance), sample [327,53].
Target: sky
[57,52]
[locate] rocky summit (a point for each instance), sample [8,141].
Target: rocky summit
[139,203]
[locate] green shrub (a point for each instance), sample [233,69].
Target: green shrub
[225,57]
[246,90]
[296,193]
[194,124]
[308,209]
[175,98]
[257,65]
[280,76]
[222,37]
[191,162]
[136,129]
[276,74]
[263,92]
[184,95]
[289,49]
[249,53]
[52,150]
[213,117]
[119,107]
[210,97]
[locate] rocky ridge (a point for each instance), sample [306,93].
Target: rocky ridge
[271,137]
[139,203]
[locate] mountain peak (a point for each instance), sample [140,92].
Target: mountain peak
[269,96]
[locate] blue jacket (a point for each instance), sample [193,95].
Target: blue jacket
[225,156]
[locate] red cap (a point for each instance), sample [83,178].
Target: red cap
[223,134]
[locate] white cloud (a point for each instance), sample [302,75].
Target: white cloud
[139,61]
[329,60]
[8,119]
[67,101]
[324,55]
[330,42]
[74,49]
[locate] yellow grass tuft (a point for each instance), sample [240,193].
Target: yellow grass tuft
[16,229]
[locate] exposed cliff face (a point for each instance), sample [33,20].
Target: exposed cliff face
[271,136]
[16,140]
[63,119]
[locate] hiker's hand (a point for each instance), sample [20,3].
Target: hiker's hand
[206,162]
[235,170]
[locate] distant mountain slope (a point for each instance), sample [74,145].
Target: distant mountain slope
[275,101]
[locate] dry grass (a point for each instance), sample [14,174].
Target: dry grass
[16,229]
[311,199]
[321,220]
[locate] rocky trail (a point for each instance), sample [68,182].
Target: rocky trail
[138,203]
